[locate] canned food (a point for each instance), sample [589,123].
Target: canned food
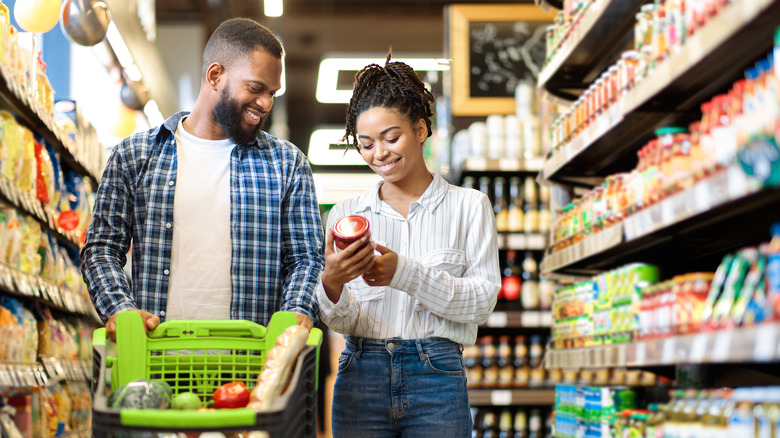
[349,229]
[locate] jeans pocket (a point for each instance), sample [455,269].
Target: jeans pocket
[446,363]
[345,360]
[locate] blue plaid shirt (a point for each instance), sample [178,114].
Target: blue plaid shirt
[276,232]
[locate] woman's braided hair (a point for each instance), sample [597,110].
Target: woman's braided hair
[394,86]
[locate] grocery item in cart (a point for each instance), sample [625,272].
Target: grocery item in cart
[278,367]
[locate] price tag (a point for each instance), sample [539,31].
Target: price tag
[765,343]
[476,164]
[667,351]
[536,241]
[508,164]
[531,319]
[721,345]
[639,353]
[497,319]
[698,347]
[501,398]
[516,241]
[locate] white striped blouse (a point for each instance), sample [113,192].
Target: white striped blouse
[447,277]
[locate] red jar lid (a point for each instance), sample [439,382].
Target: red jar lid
[350,227]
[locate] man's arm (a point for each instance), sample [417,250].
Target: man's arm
[108,240]
[302,241]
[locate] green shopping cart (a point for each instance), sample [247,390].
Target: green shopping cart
[198,357]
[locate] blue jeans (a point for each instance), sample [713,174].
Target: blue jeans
[401,388]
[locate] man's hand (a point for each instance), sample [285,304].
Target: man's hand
[304,321]
[383,269]
[150,322]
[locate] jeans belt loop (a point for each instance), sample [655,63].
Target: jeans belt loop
[359,347]
[420,351]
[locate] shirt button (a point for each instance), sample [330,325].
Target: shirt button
[162,312]
[168,225]
[170,183]
[166,272]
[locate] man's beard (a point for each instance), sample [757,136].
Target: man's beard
[229,115]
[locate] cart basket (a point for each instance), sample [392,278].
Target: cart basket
[198,357]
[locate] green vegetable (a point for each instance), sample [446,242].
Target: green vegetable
[142,394]
[186,400]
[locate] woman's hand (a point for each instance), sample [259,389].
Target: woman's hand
[383,268]
[344,266]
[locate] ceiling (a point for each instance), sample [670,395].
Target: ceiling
[313,29]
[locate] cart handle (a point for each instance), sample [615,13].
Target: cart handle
[242,417]
[189,329]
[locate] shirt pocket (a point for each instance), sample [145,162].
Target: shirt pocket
[452,261]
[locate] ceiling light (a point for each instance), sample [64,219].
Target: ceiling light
[273,8]
[327,80]
[327,149]
[122,52]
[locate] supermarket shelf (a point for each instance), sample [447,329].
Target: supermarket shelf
[755,344]
[511,397]
[584,53]
[589,247]
[522,241]
[17,283]
[709,62]
[518,319]
[591,357]
[28,203]
[474,164]
[47,370]
[697,223]
[14,99]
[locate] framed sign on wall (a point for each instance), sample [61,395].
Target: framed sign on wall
[493,48]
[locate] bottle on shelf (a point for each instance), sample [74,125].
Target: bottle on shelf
[488,425]
[506,369]
[469,182]
[520,363]
[511,281]
[545,216]
[535,424]
[489,362]
[505,424]
[484,187]
[500,205]
[531,211]
[529,294]
[520,424]
[515,215]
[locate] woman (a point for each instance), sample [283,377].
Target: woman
[407,310]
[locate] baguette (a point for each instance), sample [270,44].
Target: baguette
[279,362]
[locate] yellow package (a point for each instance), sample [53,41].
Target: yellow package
[30,260]
[11,237]
[12,146]
[26,178]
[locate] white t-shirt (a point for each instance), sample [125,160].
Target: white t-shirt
[199,286]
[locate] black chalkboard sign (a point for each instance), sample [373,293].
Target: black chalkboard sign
[493,48]
[502,54]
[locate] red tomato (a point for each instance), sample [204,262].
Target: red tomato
[231,395]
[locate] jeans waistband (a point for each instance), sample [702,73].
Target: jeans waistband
[401,346]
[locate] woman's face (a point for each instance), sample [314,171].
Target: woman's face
[390,144]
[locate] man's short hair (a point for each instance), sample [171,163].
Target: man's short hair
[237,38]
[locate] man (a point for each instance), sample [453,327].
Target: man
[222,217]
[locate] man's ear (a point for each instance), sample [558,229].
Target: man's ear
[214,73]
